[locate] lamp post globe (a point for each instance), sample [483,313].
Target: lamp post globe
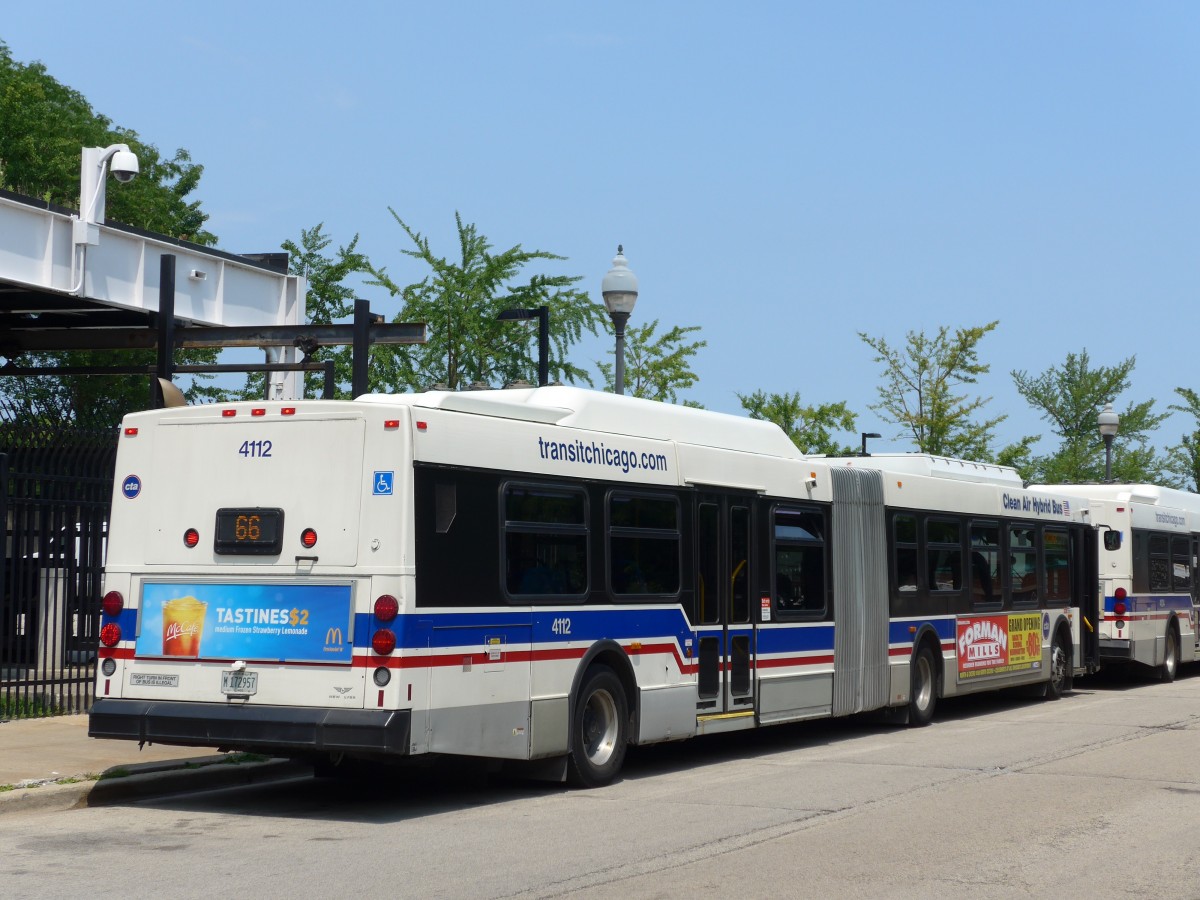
[620,291]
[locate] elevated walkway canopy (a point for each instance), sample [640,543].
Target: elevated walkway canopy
[67,284]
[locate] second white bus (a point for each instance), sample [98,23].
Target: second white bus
[1149,595]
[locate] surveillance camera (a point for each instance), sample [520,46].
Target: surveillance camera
[124,166]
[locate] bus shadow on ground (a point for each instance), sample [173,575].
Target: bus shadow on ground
[397,793]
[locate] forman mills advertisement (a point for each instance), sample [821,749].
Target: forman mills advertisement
[293,622]
[998,645]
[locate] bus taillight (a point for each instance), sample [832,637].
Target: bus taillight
[110,634]
[1119,607]
[191,538]
[308,537]
[386,607]
[383,641]
[112,604]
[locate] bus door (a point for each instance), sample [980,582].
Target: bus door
[1089,597]
[724,628]
[1195,583]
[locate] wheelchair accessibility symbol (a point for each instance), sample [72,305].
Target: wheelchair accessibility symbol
[383,484]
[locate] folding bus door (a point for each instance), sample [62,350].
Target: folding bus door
[724,628]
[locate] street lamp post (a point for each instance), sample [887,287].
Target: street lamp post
[620,290]
[1109,423]
[542,314]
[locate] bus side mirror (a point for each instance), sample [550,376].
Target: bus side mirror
[1112,540]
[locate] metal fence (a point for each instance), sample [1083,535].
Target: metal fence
[57,490]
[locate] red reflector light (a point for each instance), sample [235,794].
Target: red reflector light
[386,607]
[394,423]
[258,411]
[228,413]
[383,641]
[112,604]
[191,537]
[1119,608]
[288,411]
[130,432]
[422,426]
[110,634]
[1120,594]
[308,537]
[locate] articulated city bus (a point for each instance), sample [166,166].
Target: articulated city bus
[1149,595]
[545,576]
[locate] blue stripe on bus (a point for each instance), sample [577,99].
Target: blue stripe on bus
[419,631]
[1150,603]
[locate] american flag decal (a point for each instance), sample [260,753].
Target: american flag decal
[1066,508]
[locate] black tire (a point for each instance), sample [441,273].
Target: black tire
[1060,669]
[923,687]
[1170,663]
[599,729]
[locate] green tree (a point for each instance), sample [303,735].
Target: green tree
[330,299]
[920,390]
[811,428]
[1071,397]
[657,367]
[44,126]
[1183,459]
[459,302]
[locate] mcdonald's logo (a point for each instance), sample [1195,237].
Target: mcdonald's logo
[333,637]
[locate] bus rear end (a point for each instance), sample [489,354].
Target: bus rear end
[256,564]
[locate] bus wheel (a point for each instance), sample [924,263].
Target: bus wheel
[1060,662]
[922,691]
[598,729]
[1170,663]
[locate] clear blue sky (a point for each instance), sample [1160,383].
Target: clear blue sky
[783,175]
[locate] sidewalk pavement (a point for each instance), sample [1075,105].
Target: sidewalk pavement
[34,753]
[59,747]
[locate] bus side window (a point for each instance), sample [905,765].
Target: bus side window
[545,541]
[985,563]
[800,561]
[1058,565]
[1023,563]
[943,547]
[904,537]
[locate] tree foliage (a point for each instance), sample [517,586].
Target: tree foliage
[921,390]
[460,300]
[330,299]
[1071,397]
[811,428]
[44,126]
[657,367]
[1183,459]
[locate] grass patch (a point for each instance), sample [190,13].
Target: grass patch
[27,708]
[235,759]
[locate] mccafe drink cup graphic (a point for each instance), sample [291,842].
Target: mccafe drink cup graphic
[183,625]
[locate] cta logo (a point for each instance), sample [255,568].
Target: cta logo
[131,486]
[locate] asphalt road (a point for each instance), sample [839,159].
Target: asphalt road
[1096,795]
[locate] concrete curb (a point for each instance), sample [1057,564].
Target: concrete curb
[150,780]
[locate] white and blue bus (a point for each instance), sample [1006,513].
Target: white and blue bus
[1149,595]
[545,576]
